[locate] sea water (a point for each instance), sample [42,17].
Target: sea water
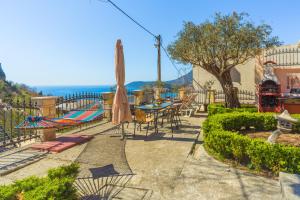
[69,90]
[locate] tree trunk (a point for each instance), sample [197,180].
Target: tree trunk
[231,97]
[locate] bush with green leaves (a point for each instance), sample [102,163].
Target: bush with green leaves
[220,108]
[222,138]
[57,185]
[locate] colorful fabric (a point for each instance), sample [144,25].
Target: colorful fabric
[70,119]
[80,116]
[37,122]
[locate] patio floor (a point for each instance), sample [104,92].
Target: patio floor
[163,166]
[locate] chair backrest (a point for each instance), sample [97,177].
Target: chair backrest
[140,115]
[186,98]
[191,98]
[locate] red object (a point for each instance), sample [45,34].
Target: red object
[62,143]
[268,96]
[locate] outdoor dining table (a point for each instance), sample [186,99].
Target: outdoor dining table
[155,108]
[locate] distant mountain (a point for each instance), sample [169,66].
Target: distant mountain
[186,79]
[138,84]
[2,74]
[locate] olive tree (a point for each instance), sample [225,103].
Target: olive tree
[221,44]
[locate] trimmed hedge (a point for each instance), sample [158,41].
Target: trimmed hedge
[220,108]
[221,137]
[57,185]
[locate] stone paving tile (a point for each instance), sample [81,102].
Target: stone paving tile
[163,164]
[157,160]
[18,159]
[105,150]
[39,168]
[207,178]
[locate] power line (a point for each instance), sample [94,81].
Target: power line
[172,61]
[147,30]
[136,22]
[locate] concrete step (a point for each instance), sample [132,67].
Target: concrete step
[16,159]
[290,186]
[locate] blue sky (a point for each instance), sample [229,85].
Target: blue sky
[71,42]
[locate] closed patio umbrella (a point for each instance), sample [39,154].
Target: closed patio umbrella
[120,109]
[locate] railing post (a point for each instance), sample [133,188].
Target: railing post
[182,93]
[108,98]
[47,106]
[4,126]
[211,95]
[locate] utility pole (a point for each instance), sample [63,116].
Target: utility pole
[158,44]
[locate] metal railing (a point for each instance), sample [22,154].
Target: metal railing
[78,101]
[12,114]
[245,96]
[15,112]
[283,56]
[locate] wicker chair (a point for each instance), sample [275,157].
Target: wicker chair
[142,118]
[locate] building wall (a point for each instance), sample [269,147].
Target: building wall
[288,78]
[243,77]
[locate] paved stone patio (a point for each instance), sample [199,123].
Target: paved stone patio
[163,166]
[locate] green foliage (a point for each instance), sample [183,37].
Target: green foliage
[236,121]
[64,171]
[57,185]
[58,188]
[219,45]
[220,108]
[221,138]
[8,193]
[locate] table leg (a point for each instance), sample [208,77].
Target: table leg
[156,122]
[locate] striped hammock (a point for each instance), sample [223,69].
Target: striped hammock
[80,116]
[70,119]
[37,122]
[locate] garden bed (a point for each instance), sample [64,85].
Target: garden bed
[222,138]
[286,138]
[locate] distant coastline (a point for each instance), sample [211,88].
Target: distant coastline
[69,90]
[135,85]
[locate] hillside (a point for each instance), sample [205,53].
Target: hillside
[9,90]
[186,79]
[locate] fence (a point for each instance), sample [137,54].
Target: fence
[14,112]
[245,97]
[283,56]
[78,101]
[11,114]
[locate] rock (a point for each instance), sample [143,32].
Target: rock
[2,74]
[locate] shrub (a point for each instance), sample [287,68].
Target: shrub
[219,108]
[220,138]
[57,185]
[237,120]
